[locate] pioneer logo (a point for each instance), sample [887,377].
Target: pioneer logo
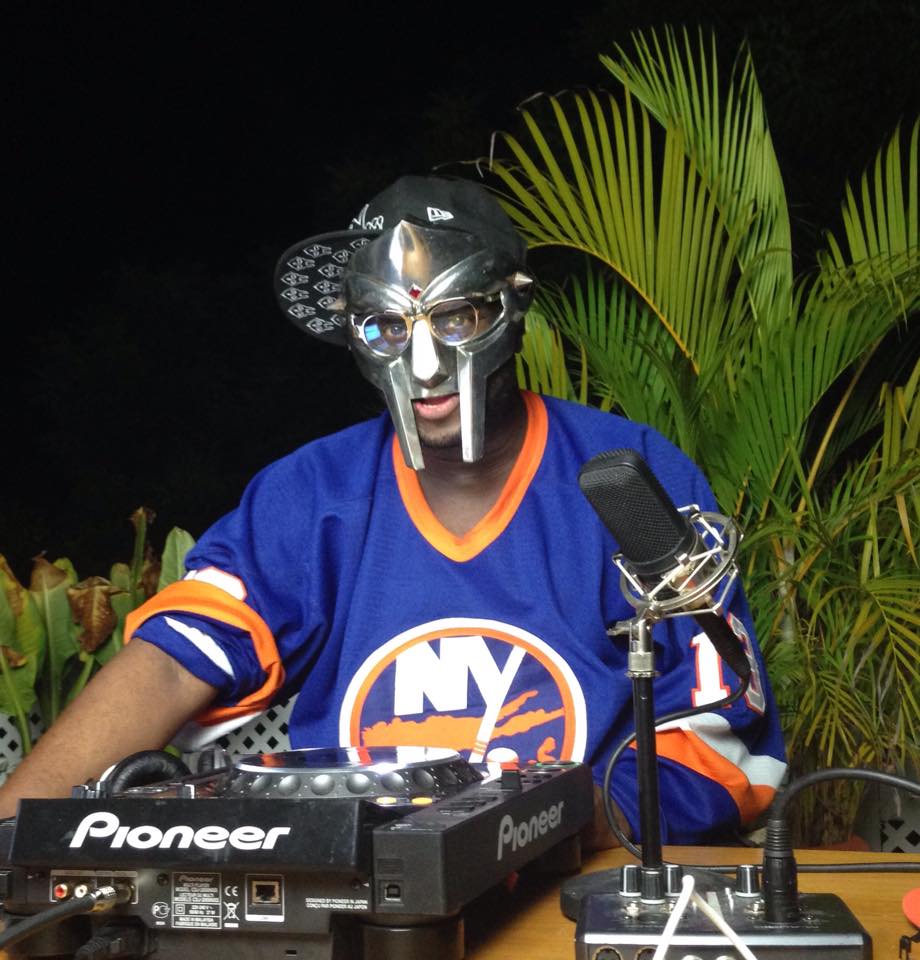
[180,836]
[518,835]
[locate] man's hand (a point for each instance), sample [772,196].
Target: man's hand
[137,701]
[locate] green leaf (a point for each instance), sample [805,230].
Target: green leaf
[120,575]
[122,604]
[172,566]
[21,632]
[48,589]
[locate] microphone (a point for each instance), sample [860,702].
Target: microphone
[671,562]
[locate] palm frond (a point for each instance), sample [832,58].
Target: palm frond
[642,210]
[726,136]
[883,222]
[541,362]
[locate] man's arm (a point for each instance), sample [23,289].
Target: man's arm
[136,702]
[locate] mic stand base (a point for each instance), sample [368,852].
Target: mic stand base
[614,926]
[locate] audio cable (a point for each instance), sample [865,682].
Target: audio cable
[102,898]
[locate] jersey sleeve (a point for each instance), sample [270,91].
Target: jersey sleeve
[242,606]
[719,770]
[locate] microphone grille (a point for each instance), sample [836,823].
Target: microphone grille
[634,507]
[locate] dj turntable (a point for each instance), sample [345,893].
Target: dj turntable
[337,854]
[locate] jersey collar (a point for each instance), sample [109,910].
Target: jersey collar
[491,526]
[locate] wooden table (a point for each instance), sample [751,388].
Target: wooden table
[527,923]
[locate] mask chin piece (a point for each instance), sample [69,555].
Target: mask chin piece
[398,397]
[472,409]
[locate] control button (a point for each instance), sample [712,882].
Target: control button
[289,784]
[652,884]
[358,782]
[629,880]
[260,784]
[673,878]
[393,781]
[322,784]
[746,880]
[511,780]
[423,779]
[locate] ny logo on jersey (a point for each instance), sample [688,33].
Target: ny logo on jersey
[480,687]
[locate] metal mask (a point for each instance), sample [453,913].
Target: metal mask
[433,312]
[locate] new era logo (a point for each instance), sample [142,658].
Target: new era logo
[435,214]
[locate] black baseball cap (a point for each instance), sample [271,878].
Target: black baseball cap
[308,277]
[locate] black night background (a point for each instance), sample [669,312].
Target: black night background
[162,156]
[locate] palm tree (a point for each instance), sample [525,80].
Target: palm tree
[682,310]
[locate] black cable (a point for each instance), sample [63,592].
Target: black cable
[38,921]
[882,866]
[102,898]
[114,941]
[839,773]
[609,812]
[779,868]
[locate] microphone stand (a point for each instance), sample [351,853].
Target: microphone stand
[640,668]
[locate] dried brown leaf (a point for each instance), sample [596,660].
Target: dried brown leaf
[150,578]
[14,589]
[45,575]
[13,657]
[91,605]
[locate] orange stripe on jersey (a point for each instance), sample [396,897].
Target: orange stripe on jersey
[203,599]
[689,750]
[490,527]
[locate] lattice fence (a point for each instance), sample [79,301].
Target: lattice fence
[267,733]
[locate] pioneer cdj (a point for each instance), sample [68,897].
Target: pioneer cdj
[324,854]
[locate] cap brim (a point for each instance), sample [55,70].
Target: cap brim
[308,281]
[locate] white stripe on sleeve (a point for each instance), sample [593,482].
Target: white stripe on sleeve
[207,645]
[716,732]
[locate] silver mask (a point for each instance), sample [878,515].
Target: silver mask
[433,312]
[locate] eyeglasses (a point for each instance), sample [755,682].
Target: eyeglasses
[452,322]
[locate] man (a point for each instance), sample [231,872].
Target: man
[433,576]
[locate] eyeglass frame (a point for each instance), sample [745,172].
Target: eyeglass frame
[358,324]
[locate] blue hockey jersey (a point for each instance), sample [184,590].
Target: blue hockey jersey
[333,580]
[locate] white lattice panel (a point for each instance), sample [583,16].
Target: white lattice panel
[267,733]
[10,741]
[901,836]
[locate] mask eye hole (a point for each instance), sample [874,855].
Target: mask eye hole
[454,321]
[385,333]
[489,309]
